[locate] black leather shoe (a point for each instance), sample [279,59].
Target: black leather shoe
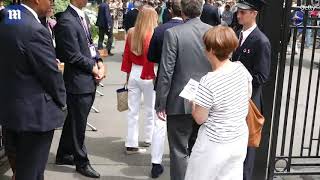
[110,54]
[157,170]
[65,160]
[88,171]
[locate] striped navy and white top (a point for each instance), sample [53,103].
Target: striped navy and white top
[225,92]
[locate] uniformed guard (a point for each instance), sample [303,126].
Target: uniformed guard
[254,52]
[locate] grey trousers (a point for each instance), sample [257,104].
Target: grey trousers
[182,134]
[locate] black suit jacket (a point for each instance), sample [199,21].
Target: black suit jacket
[255,55]
[166,16]
[130,19]
[104,19]
[72,49]
[210,15]
[235,24]
[33,95]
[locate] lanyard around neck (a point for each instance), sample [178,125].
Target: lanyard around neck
[86,30]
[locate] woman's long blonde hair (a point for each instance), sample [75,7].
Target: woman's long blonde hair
[146,22]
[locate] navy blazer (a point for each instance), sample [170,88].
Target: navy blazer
[104,19]
[210,15]
[33,95]
[255,55]
[155,48]
[156,43]
[72,48]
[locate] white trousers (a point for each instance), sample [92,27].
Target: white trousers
[136,88]
[216,161]
[158,140]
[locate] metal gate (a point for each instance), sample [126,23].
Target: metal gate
[295,141]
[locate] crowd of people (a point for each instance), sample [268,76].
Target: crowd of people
[218,12]
[297,17]
[224,51]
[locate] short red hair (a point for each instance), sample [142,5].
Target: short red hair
[222,40]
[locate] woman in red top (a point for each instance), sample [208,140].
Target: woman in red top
[140,76]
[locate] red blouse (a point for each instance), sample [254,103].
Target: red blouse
[142,60]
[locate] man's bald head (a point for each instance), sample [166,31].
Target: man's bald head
[79,3]
[41,7]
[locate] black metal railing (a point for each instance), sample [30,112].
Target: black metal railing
[295,142]
[1,144]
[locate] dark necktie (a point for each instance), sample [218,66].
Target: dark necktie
[240,38]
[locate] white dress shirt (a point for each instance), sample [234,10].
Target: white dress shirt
[82,16]
[32,11]
[177,18]
[246,33]
[79,11]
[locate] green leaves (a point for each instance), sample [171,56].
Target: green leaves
[6,2]
[61,5]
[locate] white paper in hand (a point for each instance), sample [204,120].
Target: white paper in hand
[190,90]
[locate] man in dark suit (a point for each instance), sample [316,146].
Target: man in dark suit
[235,24]
[105,24]
[210,14]
[182,58]
[34,96]
[83,71]
[154,55]
[131,16]
[254,52]
[9,152]
[166,15]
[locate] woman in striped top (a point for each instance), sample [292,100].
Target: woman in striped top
[221,107]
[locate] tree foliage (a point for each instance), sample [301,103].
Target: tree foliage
[7,2]
[60,5]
